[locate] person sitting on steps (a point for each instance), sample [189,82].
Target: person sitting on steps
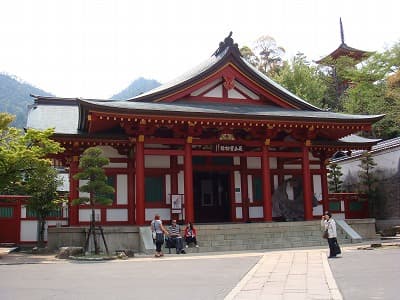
[190,235]
[175,238]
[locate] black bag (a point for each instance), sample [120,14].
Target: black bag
[325,234]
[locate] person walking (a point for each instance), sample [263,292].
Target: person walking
[158,232]
[329,226]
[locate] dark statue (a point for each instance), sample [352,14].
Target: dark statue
[288,200]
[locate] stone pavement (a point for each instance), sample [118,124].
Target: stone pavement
[285,275]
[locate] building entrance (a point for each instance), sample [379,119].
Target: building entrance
[211,191]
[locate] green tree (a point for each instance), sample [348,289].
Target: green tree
[334,178]
[303,80]
[41,183]
[374,89]
[91,164]
[20,152]
[368,180]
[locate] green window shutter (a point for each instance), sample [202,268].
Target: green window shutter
[154,189]
[6,212]
[30,213]
[335,206]
[355,206]
[257,188]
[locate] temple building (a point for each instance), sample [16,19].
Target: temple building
[222,143]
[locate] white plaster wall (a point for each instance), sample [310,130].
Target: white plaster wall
[235,94]
[29,230]
[156,161]
[23,212]
[250,188]
[85,215]
[204,88]
[388,161]
[122,189]
[238,187]
[246,91]
[239,213]
[116,165]
[180,160]
[181,183]
[165,213]
[273,163]
[216,92]
[292,167]
[256,212]
[236,161]
[317,210]
[168,188]
[82,194]
[64,186]
[117,214]
[253,162]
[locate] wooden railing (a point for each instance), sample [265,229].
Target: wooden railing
[352,205]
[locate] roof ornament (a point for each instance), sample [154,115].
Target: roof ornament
[341,32]
[228,42]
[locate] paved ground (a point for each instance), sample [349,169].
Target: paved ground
[368,274]
[287,274]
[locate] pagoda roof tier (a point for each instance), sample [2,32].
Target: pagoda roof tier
[344,51]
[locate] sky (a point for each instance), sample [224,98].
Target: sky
[96,48]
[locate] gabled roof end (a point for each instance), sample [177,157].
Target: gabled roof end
[227,43]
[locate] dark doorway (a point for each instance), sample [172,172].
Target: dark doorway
[211,197]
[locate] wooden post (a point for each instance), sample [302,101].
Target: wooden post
[245,191]
[73,192]
[266,182]
[140,213]
[188,174]
[308,216]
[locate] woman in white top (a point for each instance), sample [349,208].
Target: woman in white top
[159,230]
[329,225]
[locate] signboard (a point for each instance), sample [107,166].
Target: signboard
[228,148]
[176,203]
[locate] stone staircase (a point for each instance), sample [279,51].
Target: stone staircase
[261,236]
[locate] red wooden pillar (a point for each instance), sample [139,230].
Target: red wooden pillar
[131,190]
[324,186]
[307,184]
[266,181]
[188,173]
[244,188]
[140,213]
[73,192]
[174,174]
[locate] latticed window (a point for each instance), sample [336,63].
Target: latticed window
[154,188]
[257,189]
[6,212]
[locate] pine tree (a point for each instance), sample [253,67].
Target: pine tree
[368,180]
[334,175]
[91,164]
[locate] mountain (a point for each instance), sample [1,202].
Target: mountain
[137,87]
[14,97]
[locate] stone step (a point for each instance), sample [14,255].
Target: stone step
[259,236]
